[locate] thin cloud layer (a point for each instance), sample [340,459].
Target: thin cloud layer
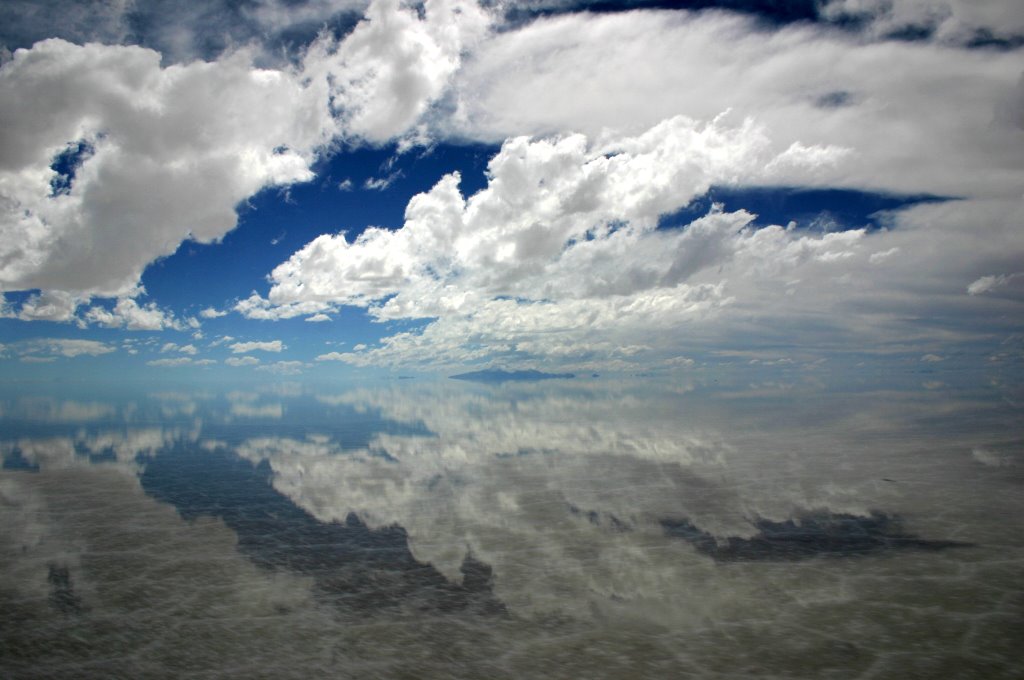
[953,21]
[50,349]
[955,132]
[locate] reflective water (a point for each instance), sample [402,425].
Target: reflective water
[564,529]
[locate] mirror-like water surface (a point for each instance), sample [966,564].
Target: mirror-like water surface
[563,529]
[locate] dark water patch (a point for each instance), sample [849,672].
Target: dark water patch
[106,454]
[63,597]
[354,566]
[15,460]
[601,519]
[809,535]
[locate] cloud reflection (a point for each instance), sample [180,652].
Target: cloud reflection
[423,517]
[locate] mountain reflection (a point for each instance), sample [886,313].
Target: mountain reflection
[650,519]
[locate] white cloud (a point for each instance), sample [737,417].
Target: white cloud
[581,301]
[127,313]
[394,64]
[560,256]
[241,361]
[883,255]
[986,284]
[335,356]
[381,183]
[183,349]
[180,361]
[212,313]
[173,150]
[318,318]
[49,306]
[559,74]
[256,307]
[269,346]
[61,347]
[549,202]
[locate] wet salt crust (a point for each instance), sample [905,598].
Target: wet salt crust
[553,530]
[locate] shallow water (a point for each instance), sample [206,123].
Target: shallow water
[564,529]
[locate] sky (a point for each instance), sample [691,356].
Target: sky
[321,187]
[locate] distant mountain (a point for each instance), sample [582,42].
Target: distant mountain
[500,376]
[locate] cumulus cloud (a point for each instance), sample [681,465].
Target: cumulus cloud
[560,255]
[333,356]
[241,361]
[548,201]
[268,346]
[49,306]
[256,307]
[131,158]
[394,64]
[171,151]
[720,278]
[172,347]
[212,313]
[129,314]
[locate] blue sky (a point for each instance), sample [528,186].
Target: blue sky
[327,187]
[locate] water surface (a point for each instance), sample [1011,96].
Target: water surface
[560,529]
